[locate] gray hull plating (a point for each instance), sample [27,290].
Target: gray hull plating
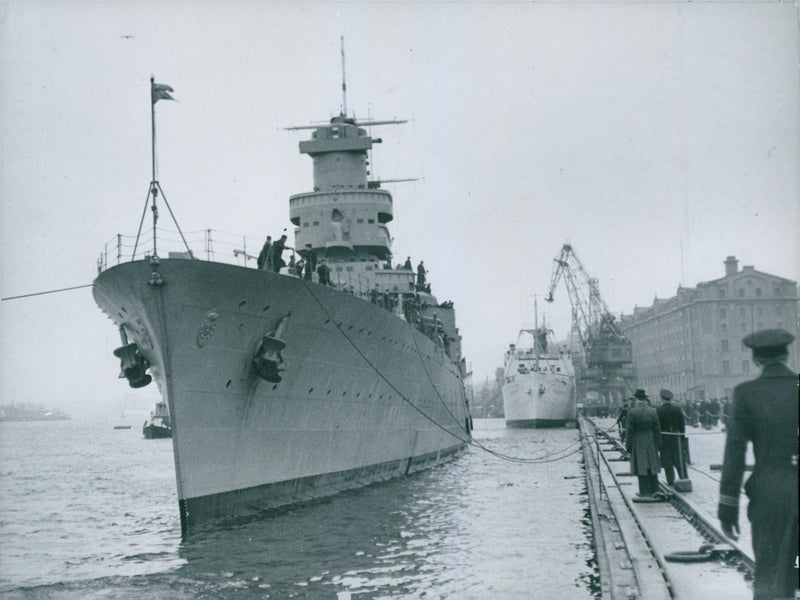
[364,395]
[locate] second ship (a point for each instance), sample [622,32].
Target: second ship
[538,382]
[283,386]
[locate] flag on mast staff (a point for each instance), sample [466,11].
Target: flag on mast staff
[160,91]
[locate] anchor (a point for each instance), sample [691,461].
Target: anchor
[268,361]
[132,364]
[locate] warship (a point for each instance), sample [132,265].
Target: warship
[285,383]
[539,382]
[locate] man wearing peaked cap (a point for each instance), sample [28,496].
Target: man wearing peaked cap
[642,436]
[765,412]
[673,427]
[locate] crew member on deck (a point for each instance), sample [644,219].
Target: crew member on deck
[324,273]
[765,413]
[277,251]
[264,254]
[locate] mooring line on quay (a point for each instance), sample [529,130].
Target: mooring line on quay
[681,540]
[697,516]
[640,575]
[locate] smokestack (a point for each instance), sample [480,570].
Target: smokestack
[731,266]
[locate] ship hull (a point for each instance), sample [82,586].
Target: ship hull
[363,396]
[539,400]
[156,432]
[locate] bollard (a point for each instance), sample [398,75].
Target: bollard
[684,484]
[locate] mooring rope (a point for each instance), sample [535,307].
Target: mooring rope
[470,441]
[75,287]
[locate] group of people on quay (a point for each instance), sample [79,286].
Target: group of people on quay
[654,439]
[697,413]
[764,413]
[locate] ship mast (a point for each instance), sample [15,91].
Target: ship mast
[344,83]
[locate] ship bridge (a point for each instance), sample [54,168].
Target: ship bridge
[344,217]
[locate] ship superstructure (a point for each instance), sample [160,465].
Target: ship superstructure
[287,385]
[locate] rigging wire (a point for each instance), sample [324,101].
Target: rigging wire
[470,441]
[589,439]
[75,287]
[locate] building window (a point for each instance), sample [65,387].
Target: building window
[741,292]
[723,312]
[759,311]
[745,366]
[741,312]
[721,292]
[315,223]
[723,328]
[726,366]
[359,220]
[777,290]
[758,292]
[370,220]
[724,345]
[779,309]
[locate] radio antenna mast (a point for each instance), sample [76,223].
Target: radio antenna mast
[344,84]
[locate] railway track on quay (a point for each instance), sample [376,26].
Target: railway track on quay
[669,549]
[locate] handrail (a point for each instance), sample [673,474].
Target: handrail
[239,249]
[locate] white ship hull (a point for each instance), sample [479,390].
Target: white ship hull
[538,385]
[539,400]
[364,395]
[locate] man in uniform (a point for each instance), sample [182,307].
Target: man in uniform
[643,434]
[765,413]
[673,427]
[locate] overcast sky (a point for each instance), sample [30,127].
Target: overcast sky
[655,137]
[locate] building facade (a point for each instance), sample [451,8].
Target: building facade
[692,342]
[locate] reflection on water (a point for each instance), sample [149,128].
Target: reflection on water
[477,527]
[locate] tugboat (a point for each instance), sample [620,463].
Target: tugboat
[283,385]
[159,426]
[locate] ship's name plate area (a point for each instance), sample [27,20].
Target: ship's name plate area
[207,327]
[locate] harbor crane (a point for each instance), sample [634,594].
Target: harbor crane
[606,360]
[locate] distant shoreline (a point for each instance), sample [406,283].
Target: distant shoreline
[31,412]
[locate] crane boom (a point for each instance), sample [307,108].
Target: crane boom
[603,343]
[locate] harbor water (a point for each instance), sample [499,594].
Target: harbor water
[87,511]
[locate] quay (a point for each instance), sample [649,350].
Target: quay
[671,549]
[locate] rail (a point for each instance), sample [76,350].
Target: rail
[719,545]
[205,244]
[230,248]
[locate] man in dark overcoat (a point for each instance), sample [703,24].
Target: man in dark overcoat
[765,413]
[673,428]
[643,434]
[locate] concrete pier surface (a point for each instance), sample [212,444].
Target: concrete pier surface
[706,448]
[634,539]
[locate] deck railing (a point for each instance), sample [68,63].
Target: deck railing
[205,244]
[220,246]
